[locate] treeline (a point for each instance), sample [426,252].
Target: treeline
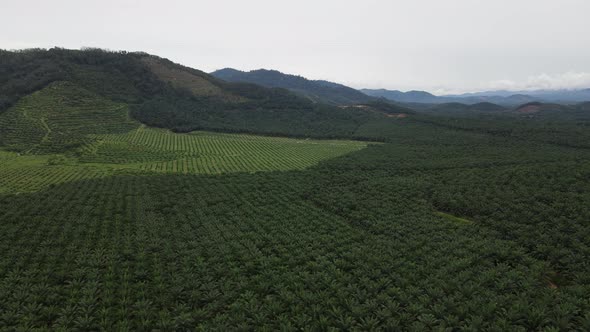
[190,113]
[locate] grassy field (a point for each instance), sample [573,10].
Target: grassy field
[157,150]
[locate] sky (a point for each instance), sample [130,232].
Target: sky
[442,46]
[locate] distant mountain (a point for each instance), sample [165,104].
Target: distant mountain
[501,97]
[562,95]
[484,107]
[317,91]
[428,98]
[498,93]
[404,97]
[537,107]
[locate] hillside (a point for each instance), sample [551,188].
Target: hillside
[535,107]
[558,113]
[314,90]
[454,108]
[486,107]
[125,77]
[160,93]
[60,117]
[382,107]
[403,97]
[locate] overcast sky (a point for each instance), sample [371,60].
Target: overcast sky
[436,45]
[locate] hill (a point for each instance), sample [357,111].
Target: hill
[486,107]
[382,107]
[455,108]
[577,114]
[536,107]
[153,91]
[404,97]
[449,107]
[60,117]
[314,90]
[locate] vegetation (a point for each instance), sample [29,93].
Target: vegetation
[167,95]
[556,124]
[59,118]
[474,221]
[155,150]
[316,91]
[210,153]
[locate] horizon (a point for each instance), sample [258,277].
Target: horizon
[418,90]
[450,48]
[438,94]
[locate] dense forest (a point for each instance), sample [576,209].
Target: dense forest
[461,219]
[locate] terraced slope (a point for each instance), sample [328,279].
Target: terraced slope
[60,117]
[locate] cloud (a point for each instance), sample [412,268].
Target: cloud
[568,80]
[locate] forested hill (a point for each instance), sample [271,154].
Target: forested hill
[160,93]
[121,76]
[315,90]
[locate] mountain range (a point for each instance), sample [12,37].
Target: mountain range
[321,91]
[318,91]
[501,97]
